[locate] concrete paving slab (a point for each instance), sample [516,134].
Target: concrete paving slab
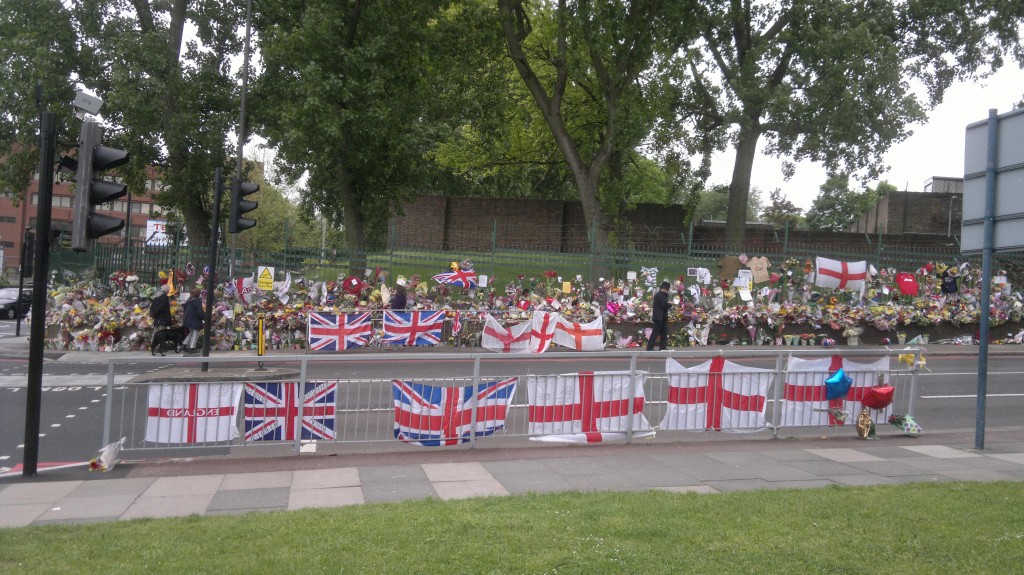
[168,506]
[450,490]
[88,507]
[791,455]
[21,515]
[37,492]
[395,483]
[826,468]
[325,478]
[263,480]
[1011,457]
[104,487]
[706,489]
[250,499]
[861,480]
[184,486]
[844,455]
[473,471]
[939,465]
[739,485]
[529,476]
[324,497]
[977,475]
[940,451]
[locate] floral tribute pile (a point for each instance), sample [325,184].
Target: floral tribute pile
[745,301]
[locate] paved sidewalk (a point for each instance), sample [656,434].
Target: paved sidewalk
[232,486]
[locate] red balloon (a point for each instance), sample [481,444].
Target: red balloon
[878,397]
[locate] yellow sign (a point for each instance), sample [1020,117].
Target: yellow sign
[265,278]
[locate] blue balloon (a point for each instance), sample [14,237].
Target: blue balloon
[837,385]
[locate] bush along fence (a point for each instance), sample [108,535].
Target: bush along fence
[719,298]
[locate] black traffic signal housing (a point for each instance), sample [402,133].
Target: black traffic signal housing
[239,206]
[90,190]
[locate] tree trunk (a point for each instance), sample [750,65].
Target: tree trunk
[739,188]
[354,238]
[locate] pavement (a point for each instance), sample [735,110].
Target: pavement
[708,463]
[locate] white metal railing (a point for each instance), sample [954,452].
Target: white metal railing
[364,408]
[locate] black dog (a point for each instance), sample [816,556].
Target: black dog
[171,336]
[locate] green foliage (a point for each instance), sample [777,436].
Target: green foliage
[837,207]
[950,527]
[714,204]
[37,47]
[781,212]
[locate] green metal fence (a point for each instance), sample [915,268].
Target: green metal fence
[503,263]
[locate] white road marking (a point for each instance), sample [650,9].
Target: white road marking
[971,395]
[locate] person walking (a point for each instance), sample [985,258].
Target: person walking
[659,315]
[398,300]
[193,320]
[160,309]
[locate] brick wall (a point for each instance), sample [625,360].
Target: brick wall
[475,224]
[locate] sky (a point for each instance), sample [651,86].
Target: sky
[935,149]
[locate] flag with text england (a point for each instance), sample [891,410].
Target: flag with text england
[192,412]
[272,410]
[433,415]
[805,394]
[716,395]
[587,407]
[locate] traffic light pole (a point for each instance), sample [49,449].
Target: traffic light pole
[21,274]
[218,193]
[33,401]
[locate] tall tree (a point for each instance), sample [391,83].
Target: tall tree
[341,98]
[583,64]
[837,206]
[170,102]
[828,80]
[38,47]
[781,212]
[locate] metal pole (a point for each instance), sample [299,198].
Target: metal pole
[218,191]
[33,400]
[21,276]
[242,135]
[128,235]
[986,276]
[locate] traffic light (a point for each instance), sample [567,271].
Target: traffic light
[240,189]
[90,191]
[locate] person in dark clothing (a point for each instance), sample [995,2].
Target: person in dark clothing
[398,300]
[659,315]
[193,320]
[160,309]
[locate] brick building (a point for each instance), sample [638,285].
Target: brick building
[15,218]
[936,210]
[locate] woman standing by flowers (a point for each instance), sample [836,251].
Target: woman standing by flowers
[193,320]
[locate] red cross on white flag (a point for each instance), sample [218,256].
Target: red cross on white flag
[581,337]
[587,407]
[542,331]
[840,275]
[716,395]
[805,395]
[514,339]
[192,412]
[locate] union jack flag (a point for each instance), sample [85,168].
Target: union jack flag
[327,331]
[413,327]
[433,415]
[460,278]
[271,410]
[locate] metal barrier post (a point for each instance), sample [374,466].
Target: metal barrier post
[780,382]
[109,404]
[632,397]
[913,383]
[261,344]
[474,402]
[298,416]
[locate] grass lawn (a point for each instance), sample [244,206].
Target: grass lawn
[920,528]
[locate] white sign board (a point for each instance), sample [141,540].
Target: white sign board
[1008,181]
[156,233]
